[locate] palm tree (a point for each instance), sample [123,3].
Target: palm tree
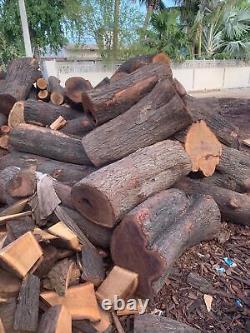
[151,5]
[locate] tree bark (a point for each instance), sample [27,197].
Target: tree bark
[66,173]
[44,114]
[155,234]
[107,195]
[5,176]
[21,74]
[56,90]
[110,101]
[74,87]
[103,83]
[209,110]
[234,206]
[154,118]
[79,126]
[3,119]
[48,143]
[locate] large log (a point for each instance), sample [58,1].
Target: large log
[5,176]
[109,193]
[79,126]
[209,110]
[110,101]
[74,87]
[56,90]
[154,235]
[44,114]
[48,143]
[21,74]
[234,206]
[154,118]
[66,173]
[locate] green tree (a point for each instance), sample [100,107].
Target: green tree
[116,28]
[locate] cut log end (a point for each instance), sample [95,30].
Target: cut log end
[43,95]
[42,83]
[57,98]
[16,115]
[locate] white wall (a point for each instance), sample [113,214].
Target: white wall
[194,75]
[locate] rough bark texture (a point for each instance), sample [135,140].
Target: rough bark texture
[48,143]
[44,114]
[5,176]
[114,190]
[66,173]
[26,316]
[110,101]
[79,126]
[158,231]
[148,323]
[104,82]
[3,119]
[74,87]
[23,184]
[209,110]
[21,74]
[154,118]
[93,269]
[234,206]
[56,90]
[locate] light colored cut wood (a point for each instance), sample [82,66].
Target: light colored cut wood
[16,208]
[2,330]
[120,282]
[42,235]
[43,95]
[59,123]
[66,235]
[5,218]
[246,142]
[79,300]
[16,115]
[4,142]
[203,148]
[21,255]
[105,323]
[42,83]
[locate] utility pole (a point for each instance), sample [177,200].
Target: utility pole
[25,27]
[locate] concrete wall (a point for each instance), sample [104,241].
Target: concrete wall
[194,75]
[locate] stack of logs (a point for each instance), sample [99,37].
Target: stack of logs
[134,170]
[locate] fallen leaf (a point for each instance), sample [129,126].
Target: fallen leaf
[208,299]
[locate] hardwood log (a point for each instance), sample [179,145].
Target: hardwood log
[43,95]
[5,176]
[74,87]
[21,74]
[159,231]
[66,173]
[149,323]
[79,126]
[43,114]
[56,90]
[132,64]
[110,101]
[48,143]
[109,193]
[104,82]
[154,118]
[92,266]
[234,206]
[16,116]
[19,227]
[56,319]
[3,119]
[23,183]
[42,83]
[209,110]
[26,316]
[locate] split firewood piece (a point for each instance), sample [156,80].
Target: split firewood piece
[48,143]
[109,193]
[92,266]
[4,142]
[5,218]
[120,283]
[43,95]
[9,284]
[56,90]
[74,87]
[154,118]
[110,101]
[42,235]
[7,314]
[79,126]
[26,316]
[42,83]
[234,206]
[151,230]
[16,116]
[246,142]
[79,300]
[56,319]
[148,323]
[102,326]
[59,123]
[104,82]
[59,276]
[21,264]
[209,110]
[5,176]
[66,237]
[21,74]
[68,173]
[2,329]
[134,63]
[17,228]
[117,323]
[15,208]
[203,148]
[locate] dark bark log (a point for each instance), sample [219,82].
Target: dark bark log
[23,184]
[93,269]
[44,114]
[5,176]
[155,234]
[134,63]
[148,323]
[56,90]
[66,173]
[107,195]
[209,110]
[48,143]
[103,83]
[154,118]
[26,316]
[7,314]
[21,74]
[222,180]
[9,285]
[74,87]
[56,319]
[234,206]
[110,101]
[79,126]
[17,228]
[3,119]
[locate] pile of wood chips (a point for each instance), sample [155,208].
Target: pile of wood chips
[103,189]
